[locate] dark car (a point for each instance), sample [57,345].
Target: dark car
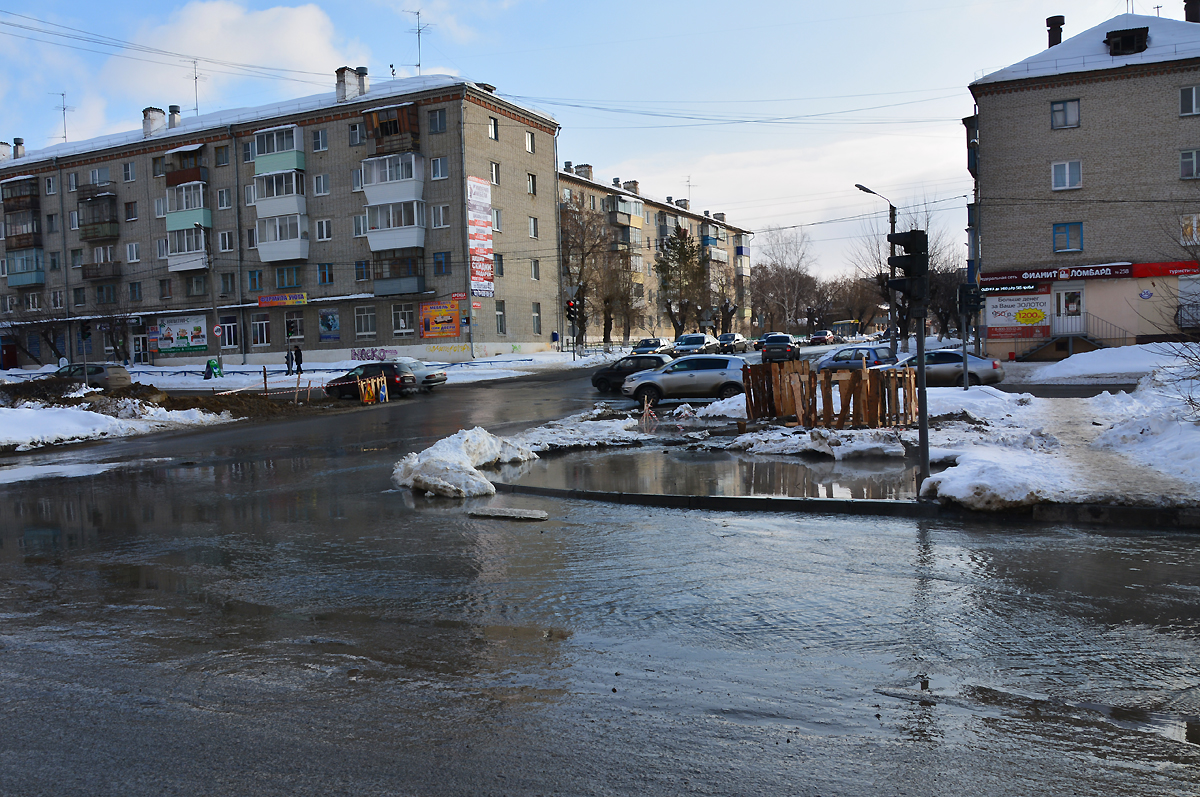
[695,343]
[780,347]
[732,343]
[944,368]
[612,376]
[103,375]
[823,337]
[652,346]
[853,357]
[398,378]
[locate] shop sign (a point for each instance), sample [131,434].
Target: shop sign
[439,320]
[458,295]
[1103,271]
[182,334]
[283,299]
[1019,316]
[1141,270]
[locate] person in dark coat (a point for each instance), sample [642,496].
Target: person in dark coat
[287,358]
[299,360]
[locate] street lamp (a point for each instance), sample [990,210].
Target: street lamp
[891,269]
[212,292]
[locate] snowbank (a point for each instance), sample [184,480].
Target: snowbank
[1122,361]
[34,425]
[450,466]
[732,407]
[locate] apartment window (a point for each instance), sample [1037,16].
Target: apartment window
[537,318]
[324,229]
[501,323]
[320,140]
[293,324]
[287,277]
[161,248]
[497,218]
[493,128]
[1189,225]
[288,183]
[228,283]
[1189,101]
[495,173]
[283,140]
[357,134]
[535,269]
[441,263]
[254,279]
[260,329]
[441,216]
[403,320]
[320,184]
[396,214]
[529,141]
[356,180]
[1068,237]
[196,284]
[131,211]
[566,194]
[229,332]
[360,225]
[33,301]
[251,238]
[225,241]
[133,252]
[51,186]
[158,167]
[364,322]
[72,181]
[439,169]
[76,258]
[249,189]
[160,207]
[248,153]
[57,301]
[498,265]
[73,217]
[224,199]
[1189,164]
[437,121]
[105,294]
[51,222]
[221,155]
[1066,174]
[362,270]
[79,297]
[129,172]
[135,291]
[531,184]
[533,227]
[186,241]
[52,262]
[324,273]
[99,176]
[102,254]
[164,288]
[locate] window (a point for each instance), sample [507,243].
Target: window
[364,322]
[228,283]
[493,128]
[403,320]
[161,248]
[79,297]
[441,263]
[1066,175]
[324,273]
[221,155]
[495,173]
[437,121]
[254,279]
[160,207]
[287,277]
[293,324]
[164,288]
[52,262]
[283,140]
[129,171]
[57,300]
[537,318]
[357,135]
[533,227]
[1064,114]
[102,254]
[441,216]
[224,199]
[360,226]
[249,194]
[362,270]
[196,284]
[133,252]
[1189,164]
[158,166]
[1068,237]
[356,180]
[225,241]
[1189,102]
[73,216]
[320,184]
[135,291]
[320,140]
[248,153]
[501,324]
[76,258]
[251,238]
[324,229]
[1189,226]
[268,186]
[531,184]
[567,194]
[229,332]
[186,241]
[260,329]
[497,218]
[388,169]
[131,211]
[396,214]
[529,141]
[51,222]
[105,294]
[98,176]
[535,269]
[72,181]
[498,265]
[51,186]
[439,169]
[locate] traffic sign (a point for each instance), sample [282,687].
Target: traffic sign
[217,330]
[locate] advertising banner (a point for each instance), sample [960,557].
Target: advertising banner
[439,319]
[1026,316]
[1104,271]
[152,337]
[183,334]
[479,236]
[1166,269]
[329,325]
[283,299]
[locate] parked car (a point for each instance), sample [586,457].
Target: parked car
[695,343]
[652,346]
[612,376]
[943,368]
[780,347]
[427,376]
[103,375]
[399,379]
[853,357]
[732,343]
[823,337]
[697,376]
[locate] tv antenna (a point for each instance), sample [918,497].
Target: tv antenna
[196,78]
[64,108]
[690,185]
[418,30]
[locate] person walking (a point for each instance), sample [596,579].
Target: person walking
[299,360]
[287,358]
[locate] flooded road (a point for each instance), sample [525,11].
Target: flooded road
[247,612]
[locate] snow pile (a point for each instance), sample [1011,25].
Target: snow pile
[837,444]
[1123,361]
[33,425]
[732,407]
[1155,428]
[992,477]
[597,428]
[450,466]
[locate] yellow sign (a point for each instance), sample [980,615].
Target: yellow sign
[283,300]
[1030,316]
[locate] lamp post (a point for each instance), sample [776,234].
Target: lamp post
[212,291]
[891,269]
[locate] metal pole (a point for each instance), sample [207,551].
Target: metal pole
[965,334]
[922,400]
[892,320]
[212,293]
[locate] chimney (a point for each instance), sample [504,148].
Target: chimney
[347,86]
[173,116]
[584,170]
[616,182]
[631,186]
[567,167]
[153,120]
[18,148]
[364,85]
[5,151]
[670,201]
[719,217]
[1191,10]
[683,203]
[1055,24]
[706,214]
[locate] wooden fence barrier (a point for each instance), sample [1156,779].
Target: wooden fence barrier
[372,390]
[865,398]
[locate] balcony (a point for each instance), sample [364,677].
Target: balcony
[395,286]
[279,162]
[383,183]
[195,174]
[86,193]
[20,193]
[100,230]
[618,218]
[101,271]
[273,251]
[396,238]
[393,128]
[187,261]
[25,279]
[186,219]
[26,240]
[286,205]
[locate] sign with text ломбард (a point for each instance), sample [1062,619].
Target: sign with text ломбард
[479,236]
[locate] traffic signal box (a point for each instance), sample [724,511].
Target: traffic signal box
[572,311]
[914,264]
[970,299]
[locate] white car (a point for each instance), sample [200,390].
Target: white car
[428,377]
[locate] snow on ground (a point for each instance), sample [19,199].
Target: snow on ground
[450,467]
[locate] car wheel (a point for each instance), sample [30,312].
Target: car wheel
[648,394]
[729,391]
[603,386]
[974,380]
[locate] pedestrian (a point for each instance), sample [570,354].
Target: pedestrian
[299,361]
[287,358]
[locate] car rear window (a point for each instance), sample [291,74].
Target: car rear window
[778,338]
[691,340]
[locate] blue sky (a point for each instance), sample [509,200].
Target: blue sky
[771,110]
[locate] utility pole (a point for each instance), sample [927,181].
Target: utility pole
[212,294]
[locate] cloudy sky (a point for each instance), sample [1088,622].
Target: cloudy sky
[769,111]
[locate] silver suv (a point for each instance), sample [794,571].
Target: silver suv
[698,376]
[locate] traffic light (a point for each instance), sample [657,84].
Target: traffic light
[914,264]
[970,299]
[85,330]
[571,311]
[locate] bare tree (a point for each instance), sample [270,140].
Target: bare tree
[781,286]
[586,248]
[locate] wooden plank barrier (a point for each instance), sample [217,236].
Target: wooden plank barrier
[865,398]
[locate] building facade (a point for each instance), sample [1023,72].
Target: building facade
[1086,158]
[357,224]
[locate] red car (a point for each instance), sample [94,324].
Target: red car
[823,337]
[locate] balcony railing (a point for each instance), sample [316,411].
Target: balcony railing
[395,286]
[196,174]
[26,240]
[101,271]
[23,279]
[86,193]
[97,231]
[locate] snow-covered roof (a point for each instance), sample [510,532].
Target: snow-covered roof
[184,148]
[276,127]
[1167,40]
[387,107]
[18,177]
[648,199]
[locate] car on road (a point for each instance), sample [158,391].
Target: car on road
[612,376]
[823,337]
[427,376]
[780,347]
[695,343]
[732,343]
[103,375]
[399,379]
[653,346]
[944,368]
[849,357]
[696,376]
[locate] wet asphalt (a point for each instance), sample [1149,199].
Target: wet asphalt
[253,610]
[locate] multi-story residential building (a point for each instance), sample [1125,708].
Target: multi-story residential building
[360,223]
[640,227]
[1086,158]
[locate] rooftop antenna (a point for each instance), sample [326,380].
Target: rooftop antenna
[393,68]
[64,108]
[1157,9]
[690,185]
[419,28]
[196,78]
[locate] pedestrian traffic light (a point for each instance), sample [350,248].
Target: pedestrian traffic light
[571,311]
[914,264]
[85,330]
